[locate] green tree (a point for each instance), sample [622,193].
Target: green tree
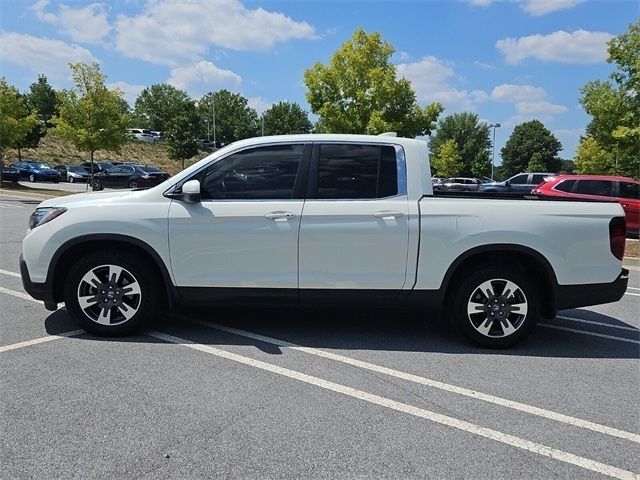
[158,105]
[359,92]
[234,118]
[15,120]
[91,116]
[615,106]
[286,118]
[526,140]
[33,136]
[536,164]
[42,100]
[181,136]
[472,138]
[447,162]
[591,158]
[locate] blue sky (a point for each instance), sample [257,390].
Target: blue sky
[507,61]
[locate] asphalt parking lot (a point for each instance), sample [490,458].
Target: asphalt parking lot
[294,393]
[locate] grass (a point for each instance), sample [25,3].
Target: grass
[55,151]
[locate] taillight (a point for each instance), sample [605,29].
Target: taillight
[617,236]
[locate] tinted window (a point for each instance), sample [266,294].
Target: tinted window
[594,187]
[565,186]
[357,171]
[262,173]
[538,179]
[630,190]
[151,169]
[519,179]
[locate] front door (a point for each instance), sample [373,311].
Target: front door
[354,230]
[242,238]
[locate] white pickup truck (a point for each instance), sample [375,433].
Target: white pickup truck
[322,218]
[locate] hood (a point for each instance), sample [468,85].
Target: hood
[96,198]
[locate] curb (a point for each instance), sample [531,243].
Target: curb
[23,194]
[631,262]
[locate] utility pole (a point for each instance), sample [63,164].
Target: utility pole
[213,114]
[262,118]
[493,146]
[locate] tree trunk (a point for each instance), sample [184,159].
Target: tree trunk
[19,155]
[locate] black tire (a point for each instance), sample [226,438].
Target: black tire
[97,185]
[496,315]
[142,306]
[71,180]
[32,178]
[133,184]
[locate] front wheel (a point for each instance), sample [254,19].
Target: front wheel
[71,180]
[111,293]
[133,184]
[32,178]
[97,185]
[495,307]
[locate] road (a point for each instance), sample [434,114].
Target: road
[294,393]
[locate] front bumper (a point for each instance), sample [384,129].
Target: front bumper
[585,295]
[39,291]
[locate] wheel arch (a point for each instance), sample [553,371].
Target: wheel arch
[71,250]
[524,258]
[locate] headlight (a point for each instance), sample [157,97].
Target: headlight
[44,215]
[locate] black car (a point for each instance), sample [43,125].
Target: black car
[129,176]
[10,174]
[520,183]
[36,171]
[97,166]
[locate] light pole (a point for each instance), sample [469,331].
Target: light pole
[493,146]
[262,118]
[213,115]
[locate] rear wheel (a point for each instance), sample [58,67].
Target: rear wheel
[133,184]
[495,307]
[71,180]
[97,185]
[32,178]
[111,293]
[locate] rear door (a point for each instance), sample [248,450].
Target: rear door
[354,230]
[242,238]
[630,200]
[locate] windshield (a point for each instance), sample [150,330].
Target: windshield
[40,165]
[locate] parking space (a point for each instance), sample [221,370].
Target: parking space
[300,393]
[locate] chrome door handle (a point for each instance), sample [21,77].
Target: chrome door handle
[388,214]
[279,216]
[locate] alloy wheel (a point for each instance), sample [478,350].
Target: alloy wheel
[109,295]
[497,308]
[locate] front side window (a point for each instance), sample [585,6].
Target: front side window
[261,173]
[357,171]
[594,187]
[630,190]
[519,179]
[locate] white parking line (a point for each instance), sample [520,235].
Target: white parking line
[9,205]
[11,274]
[37,341]
[15,293]
[604,324]
[632,294]
[593,334]
[462,425]
[633,288]
[559,417]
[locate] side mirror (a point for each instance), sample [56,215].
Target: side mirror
[507,183]
[191,191]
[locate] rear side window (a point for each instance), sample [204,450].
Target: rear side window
[261,173]
[630,190]
[357,171]
[602,188]
[537,179]
[565,185]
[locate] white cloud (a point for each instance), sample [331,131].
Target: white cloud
[203,77]
[580,46]
[84,25]
[430,79]
[542,7]
[480,3]
[170,32]
[539,107]
[42,55]
[486,66]
[259,104]
[130,91]
[517,93]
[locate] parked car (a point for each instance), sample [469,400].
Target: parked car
[624,190]
[458,184]
[140,134]
[157,136]
[97,166]
[322,218]
[73,173]
[37,171]
[522,182]
[10,173]
[129,176]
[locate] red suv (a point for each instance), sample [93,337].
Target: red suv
[598,187]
